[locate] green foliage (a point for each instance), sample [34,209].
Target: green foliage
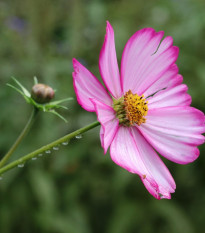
[48,107]
[77,189]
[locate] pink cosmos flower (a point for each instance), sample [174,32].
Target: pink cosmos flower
[147,108]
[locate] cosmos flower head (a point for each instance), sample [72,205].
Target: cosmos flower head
[143,109]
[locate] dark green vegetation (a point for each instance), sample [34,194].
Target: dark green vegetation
[76,189]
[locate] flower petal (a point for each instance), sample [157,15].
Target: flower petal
[131,151]
[108,64]
[176,96]
[87,86]
[169,79]
[175,132]
[145,60]
[109,122]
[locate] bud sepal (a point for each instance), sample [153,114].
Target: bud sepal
[45,105]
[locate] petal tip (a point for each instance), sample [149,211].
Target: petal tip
[108,24]
[76,65]
[74,60]
[156,190]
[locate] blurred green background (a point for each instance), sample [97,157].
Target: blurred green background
[77,189]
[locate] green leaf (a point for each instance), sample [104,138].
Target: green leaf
[48,107]
[19,91]
[59,115]
[25,91]
[61,101]
[35,80]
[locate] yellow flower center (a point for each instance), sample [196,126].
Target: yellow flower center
[131,109]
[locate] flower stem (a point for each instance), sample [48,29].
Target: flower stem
[20,137]
[33,154]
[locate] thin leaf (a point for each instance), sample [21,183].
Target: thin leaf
[16,89]
[61,101]
[19,91]
[57,114]
[26,92]
[35,80]
[48,106]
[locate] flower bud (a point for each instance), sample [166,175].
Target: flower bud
[42,93]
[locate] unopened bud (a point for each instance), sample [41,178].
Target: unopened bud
[42,93]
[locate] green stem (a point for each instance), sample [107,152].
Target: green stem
[20,137]
[50,146]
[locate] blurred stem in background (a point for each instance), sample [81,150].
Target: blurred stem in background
[20,137]
[48,147]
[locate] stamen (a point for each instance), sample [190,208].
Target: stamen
[131,109]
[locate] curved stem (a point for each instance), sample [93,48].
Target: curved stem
[20,137]
[33,154]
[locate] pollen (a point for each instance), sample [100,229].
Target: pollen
[131,109]
[135,107]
